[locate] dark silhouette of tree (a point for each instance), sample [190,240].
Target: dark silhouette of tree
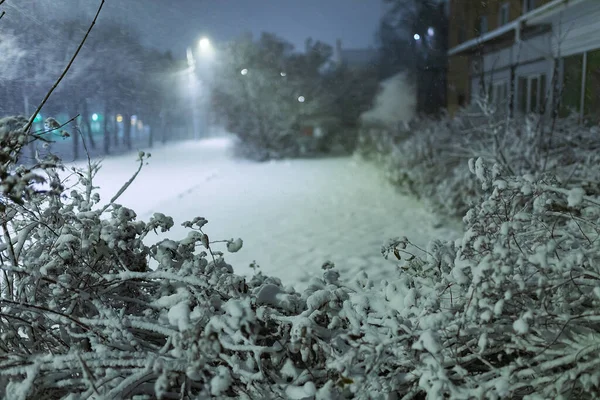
[413,38]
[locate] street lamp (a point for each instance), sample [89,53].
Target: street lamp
[199,69]
[205,44]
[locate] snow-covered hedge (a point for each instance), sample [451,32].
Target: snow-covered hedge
[428,158]
[509,311]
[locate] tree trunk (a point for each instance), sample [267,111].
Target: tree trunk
[88,125]
[75,132]
[127,131]
[115,130]
[163,127]
[106,129]
[154,123]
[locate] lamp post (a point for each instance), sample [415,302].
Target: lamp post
[198,75]
[206,53]
[193,85]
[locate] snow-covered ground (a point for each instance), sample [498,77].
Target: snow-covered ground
[292,215]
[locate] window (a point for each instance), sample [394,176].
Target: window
[504,15]
[571,88]
[483,24]
[528,5]
[500,94]
[522,92]
[532,94]
[591,105]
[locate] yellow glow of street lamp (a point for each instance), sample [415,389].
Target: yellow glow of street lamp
[204,44]
[119,118]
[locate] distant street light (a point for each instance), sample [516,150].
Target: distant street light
[301,99]
[417,37]
[205,44]
[430,31]
[244,71]
[95,117]
[283,74]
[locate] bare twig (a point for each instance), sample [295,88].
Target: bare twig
[90,175]
[43,131]
[65,71]
[125,186]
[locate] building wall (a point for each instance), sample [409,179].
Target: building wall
[458,82]
[465,20]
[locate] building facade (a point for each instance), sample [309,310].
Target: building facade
[526,55]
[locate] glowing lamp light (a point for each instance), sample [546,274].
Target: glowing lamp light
[430,31]
[204,44]
[283,74]
[119,118]
[301,99]
[417,36]
[95,117]
[244,71]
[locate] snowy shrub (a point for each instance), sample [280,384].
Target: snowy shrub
[429,159]
[509,311]
[16,183]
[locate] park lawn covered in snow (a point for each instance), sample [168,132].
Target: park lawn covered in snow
[293,216]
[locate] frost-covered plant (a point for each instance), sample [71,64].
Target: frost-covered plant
[509,311]
[17,178]
[429,158]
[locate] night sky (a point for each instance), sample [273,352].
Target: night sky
[176,24]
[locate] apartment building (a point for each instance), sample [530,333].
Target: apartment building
[513,51]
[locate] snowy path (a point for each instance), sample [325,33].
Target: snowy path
[292,215]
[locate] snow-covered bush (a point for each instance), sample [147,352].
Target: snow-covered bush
[509,311]
[429,158]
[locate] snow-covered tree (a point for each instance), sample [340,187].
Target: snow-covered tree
[266,91]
